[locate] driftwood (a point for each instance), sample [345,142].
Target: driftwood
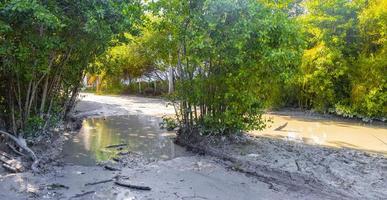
[82,194]
[22,144]
[10,168]
[5,155]
[133,186]
[116,145]
[10,163]
[99,182]
[111,168]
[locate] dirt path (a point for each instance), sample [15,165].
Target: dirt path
[191,177]
[97,105]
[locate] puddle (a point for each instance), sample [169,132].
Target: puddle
[331,133]
[141,134]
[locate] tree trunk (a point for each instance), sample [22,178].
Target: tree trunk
[170,80]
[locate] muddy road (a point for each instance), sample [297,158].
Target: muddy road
[173,173]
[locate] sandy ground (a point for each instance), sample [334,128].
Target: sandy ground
[338,173]
[282,170]
[97,105]
[181,178]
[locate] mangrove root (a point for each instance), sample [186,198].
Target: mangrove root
[16,151]
[22,144]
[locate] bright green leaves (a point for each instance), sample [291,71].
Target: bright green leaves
[343,70]
[228,49]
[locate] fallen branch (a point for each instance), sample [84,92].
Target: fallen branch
[82,194]
[22,144]
[116,146]
[16,151]
[99,182]
[111,168]
[133,186]
[5,155]
[10,163]
[193,197]
[281,127]
[10,168]
[56,186]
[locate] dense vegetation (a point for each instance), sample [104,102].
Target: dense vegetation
[46,47]
[344,66]
[231,59]
[221,61]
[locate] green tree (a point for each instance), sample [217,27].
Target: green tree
[227,53]
[343,69]
[46,48]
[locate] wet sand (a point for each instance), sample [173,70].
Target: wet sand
[177,179]
[198,177]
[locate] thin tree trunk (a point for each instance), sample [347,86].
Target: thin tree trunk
[45,87]
[170,80]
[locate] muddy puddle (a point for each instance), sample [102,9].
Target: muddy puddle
[331,133]
[139,133]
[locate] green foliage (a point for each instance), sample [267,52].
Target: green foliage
[33,126]
[226,51]
[168,123]
[45,49]
[231,58]
[344,67]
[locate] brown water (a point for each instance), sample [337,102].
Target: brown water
[331,133]
[141,133]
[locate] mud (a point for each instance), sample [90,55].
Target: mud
[331,172]
[250,168]
[181,178]
[327,131]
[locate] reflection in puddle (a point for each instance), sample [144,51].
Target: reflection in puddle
[141,134]
[372,138]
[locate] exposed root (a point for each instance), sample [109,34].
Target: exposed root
[16,151]
[22,144]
